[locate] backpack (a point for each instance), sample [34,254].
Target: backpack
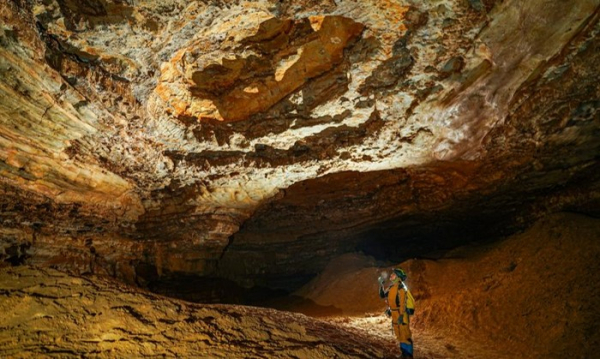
[410,302]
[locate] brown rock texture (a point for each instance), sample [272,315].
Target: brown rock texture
[256,140]
[49,314]
[292,58]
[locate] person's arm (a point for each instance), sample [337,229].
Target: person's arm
[382,292]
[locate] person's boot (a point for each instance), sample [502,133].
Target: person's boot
[406,355]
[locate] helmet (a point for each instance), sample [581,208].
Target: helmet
[400,273]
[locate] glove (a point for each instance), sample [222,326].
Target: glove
[381,280]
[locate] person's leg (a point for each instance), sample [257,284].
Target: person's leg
[397,330]
[405,340]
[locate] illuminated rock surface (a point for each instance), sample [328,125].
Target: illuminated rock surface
[50,314]
[256,140]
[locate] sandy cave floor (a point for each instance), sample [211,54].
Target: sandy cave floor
[428,345]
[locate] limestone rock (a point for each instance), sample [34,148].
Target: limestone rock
[257,139]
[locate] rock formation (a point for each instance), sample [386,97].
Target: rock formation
[255,140]
[50,314]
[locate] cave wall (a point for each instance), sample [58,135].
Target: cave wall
[548,274]
[256,139]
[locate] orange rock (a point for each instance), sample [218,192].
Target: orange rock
[238,88]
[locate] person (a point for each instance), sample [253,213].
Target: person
[400,307]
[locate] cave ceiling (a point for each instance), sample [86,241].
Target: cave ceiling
[257,139]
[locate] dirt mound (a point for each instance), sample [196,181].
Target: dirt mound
[47,313]
[533,295]
[348,283]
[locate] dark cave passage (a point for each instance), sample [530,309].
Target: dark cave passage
[431,240]
[223,291]
[387,244]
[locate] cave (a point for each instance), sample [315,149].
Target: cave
[228,179]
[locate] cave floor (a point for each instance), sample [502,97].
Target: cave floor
[55,315]
[428,344]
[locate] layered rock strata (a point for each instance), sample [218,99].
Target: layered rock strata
[136,140]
